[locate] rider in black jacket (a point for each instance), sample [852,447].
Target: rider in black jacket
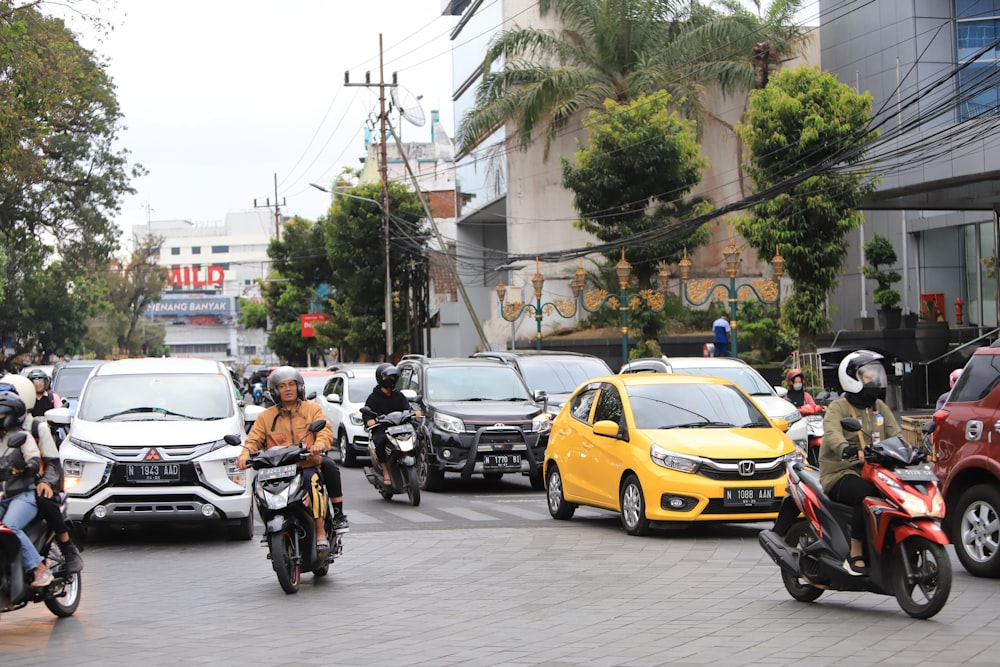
[383,400]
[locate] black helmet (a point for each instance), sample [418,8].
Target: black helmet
[386,376]
[11,410]
[282,373]
[39,374]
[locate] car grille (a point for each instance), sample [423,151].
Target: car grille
[133,453]
[729,470]
[492,428]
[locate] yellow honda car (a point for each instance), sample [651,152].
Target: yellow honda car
[663,447]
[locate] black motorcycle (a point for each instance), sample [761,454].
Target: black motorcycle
[289,527]
[401,430]
[62,596]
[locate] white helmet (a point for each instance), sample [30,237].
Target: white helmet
[24,388]
[862,373]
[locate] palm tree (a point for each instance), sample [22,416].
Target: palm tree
[615,49]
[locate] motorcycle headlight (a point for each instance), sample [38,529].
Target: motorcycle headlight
[668,459]
[448,423]
[405,444]
[793,457]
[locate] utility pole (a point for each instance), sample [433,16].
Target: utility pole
[384,173]
[277,210]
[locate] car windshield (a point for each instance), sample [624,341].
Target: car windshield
[663,406]
[69,381]
[487,382]
[745,378]
[560,376]
[156,397]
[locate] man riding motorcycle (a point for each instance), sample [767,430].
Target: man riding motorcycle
[383,400]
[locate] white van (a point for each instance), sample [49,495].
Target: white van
[146,444]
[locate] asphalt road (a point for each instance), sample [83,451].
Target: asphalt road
[481,575]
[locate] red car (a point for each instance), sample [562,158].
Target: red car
[967,462]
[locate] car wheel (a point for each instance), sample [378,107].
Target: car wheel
[243,530]
[558,507]
[977,530]
[633,507]
[347,457]
[430,477]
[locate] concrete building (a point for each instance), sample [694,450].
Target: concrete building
[211,265]
[932,69]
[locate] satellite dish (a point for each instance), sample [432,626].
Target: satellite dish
[408,105]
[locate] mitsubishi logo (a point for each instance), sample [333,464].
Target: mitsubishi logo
[747,468]
[153,455]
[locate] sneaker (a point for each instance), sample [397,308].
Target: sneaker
[74,561]
[43,577]
[340,523]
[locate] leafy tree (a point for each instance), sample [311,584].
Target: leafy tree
[879,252]
[61,175]
[253,314]
[621,192]
[802,120]
[614,49]
[355,251]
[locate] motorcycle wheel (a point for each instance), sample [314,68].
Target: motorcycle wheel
[926,593]
[386,493]
[412,486]
[799,536]
[282,559]
[62,596]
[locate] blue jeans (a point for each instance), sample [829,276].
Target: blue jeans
[16,513]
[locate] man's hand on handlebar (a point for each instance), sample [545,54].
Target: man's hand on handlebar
[241,463]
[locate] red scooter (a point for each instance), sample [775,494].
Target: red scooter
[904,543]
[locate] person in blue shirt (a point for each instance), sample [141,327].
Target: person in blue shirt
[722,331]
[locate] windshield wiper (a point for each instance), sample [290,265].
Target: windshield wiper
[131,411]
[755,425]
[708,424]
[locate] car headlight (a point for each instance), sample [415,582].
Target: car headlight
[84,445]
[793,457]
[793,416]
[236,476]
[356,419]
[668,459]
[448,423]
[72,473]
[540,423]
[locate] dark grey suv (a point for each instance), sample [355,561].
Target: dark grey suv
[481,419]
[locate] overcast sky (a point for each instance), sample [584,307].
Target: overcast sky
[219,96]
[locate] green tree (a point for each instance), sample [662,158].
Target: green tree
[802,120]
[534,78]
[620,192]
[355,250]
[61,173]
[879,252]
[253,314]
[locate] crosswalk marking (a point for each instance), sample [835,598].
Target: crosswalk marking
[413,515]
[471,515]
[520,512]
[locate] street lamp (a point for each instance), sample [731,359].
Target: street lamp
[698,291]
[513,310]
[388,279]
[624,302]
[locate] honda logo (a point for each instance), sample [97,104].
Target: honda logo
[747,468]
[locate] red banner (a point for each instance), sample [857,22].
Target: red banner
[308,320]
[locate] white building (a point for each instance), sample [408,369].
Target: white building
[210,266]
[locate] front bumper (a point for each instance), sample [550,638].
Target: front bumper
[510,450]
[677,496]
[167,504]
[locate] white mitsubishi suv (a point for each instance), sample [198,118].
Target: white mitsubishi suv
[147,444]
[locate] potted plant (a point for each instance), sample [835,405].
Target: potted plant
[932,334]
[879,252]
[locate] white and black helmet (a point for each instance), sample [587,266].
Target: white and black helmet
[282,373]
[21,386]
[862,372]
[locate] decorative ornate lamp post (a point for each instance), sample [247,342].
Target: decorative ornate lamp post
[513,310]
[698,291]
[624,302]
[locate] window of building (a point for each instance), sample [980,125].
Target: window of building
[977,27]
[175,251]
[216,249]
[195,250]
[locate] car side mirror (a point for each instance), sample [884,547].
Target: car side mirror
[539,395]
[410,395]
[780,422]
[58,416]
[606,428]
[781,392]
[333,398]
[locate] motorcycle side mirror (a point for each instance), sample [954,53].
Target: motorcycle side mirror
[929,427]
[232,439]
[311,395]
[317,426]
[850,424]
[17,440]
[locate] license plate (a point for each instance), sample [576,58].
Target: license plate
[277,473]
[153,472]
[915,475]
[748,497]
[502,461]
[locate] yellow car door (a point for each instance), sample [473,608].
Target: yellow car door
[605,455]
[569,442]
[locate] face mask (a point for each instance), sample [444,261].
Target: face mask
[797,386]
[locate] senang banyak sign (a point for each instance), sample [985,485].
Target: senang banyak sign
[193,309]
